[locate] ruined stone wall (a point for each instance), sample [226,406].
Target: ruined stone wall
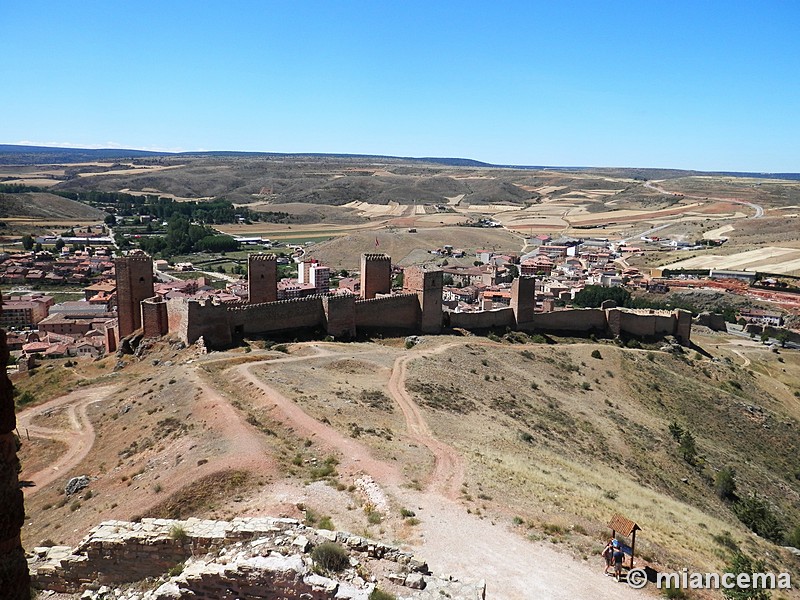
[276,316]
[262,278]
[14,578]
[376,275]
[134,275]
[155,322]
[401,311]
[487,319]
[258,558]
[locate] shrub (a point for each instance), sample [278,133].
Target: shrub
[178,533]
[688,448]
[596,354]
[756,513]
[330,556]
[176,570]
[741,563]
[406,513]
[326,523]
[381,595]
[725,483]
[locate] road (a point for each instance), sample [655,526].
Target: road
[759,210]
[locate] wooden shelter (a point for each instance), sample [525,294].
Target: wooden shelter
[626,528]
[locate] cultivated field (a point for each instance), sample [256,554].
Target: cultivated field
[770,259]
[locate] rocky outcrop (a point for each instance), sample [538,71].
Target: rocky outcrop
[14,579]
[255,558]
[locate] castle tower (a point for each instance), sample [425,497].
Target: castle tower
[134,283]
[523,299]
[427,285]
[376,275]
[262,278]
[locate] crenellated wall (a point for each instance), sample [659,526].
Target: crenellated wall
[418,308]
[400,311]
[486,319]
[297,313]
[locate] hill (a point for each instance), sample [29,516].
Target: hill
[542,441]
[41,205]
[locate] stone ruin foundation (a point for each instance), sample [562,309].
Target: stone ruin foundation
[253,558]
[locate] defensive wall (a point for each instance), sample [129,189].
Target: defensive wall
[401,311]
[418,308]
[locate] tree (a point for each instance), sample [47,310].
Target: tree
[447,280]
[110,219]
[782,336]
[27,242]
[725,484]
[688,448]
[60,244]
[592,296]
[756,513]
[741,563]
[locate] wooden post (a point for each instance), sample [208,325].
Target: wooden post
[633,546]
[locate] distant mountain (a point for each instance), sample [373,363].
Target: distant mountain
[15,154]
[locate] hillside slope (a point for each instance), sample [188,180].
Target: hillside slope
[41,205]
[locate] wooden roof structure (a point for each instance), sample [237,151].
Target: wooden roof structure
[623,525]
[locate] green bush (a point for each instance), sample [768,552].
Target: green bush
[381,595]
[756,513]
[725,483]
[596,354]
[331,557]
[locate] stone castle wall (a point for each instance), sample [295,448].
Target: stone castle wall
[401,311]
[376,275]
[155,321]
[282,315]
[486,319]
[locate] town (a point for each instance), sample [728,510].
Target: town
[480,297]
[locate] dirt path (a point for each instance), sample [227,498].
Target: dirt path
[453,541]
[448,470]
[79,438]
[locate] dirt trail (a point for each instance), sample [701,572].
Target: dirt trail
[448,471]
[79,439]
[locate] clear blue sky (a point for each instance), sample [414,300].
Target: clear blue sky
[684,84]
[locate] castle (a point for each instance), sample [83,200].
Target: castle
[416,308]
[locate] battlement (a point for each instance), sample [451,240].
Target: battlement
[261,256]
[376,256]
[245,306]
[386,298]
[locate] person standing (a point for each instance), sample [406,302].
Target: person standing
[608,555]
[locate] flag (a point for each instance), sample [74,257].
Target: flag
[377,243]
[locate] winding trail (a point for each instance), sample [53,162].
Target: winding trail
[79,438]
[759,210]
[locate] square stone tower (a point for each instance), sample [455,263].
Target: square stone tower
[427,285]
[134,275]
[523,299]
[262,278]
[376,275]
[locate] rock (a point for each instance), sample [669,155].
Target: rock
[415,581]
[301,542]
[156,362]
[76,484]
[417,564]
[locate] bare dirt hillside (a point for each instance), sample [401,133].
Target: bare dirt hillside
[42,205]
[527,447]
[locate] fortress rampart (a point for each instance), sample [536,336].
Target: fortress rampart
[418,308]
